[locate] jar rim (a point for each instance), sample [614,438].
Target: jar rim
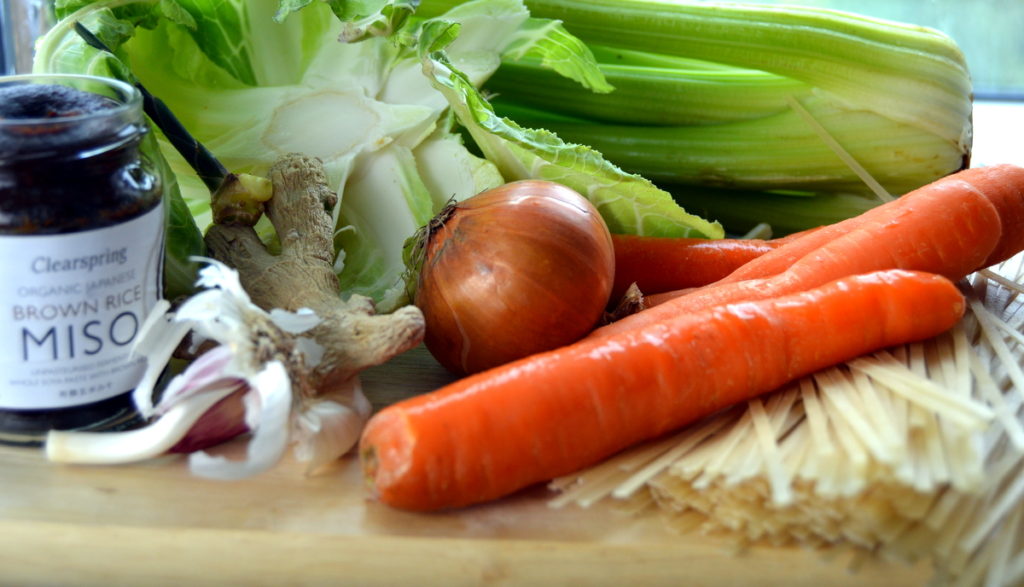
[128,98]
[71,135]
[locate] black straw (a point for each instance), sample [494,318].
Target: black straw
[206,165]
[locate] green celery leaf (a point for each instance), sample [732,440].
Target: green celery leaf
[548,41]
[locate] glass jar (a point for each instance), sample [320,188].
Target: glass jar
[81,253]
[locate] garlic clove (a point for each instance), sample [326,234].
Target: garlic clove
[326,430]
[268,417]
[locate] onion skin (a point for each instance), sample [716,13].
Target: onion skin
[516,270]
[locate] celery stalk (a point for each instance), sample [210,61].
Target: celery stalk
[908,73]
[777,152]
[676,92]
[741,210]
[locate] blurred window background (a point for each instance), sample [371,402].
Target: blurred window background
[21,22]
[989,32]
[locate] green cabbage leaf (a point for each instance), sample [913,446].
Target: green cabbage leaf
[379,95]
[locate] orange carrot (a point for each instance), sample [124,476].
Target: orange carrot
[490,434]
[1002,185]
[666,263]
[659,264]
[952,227]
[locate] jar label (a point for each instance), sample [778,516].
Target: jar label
[72,305]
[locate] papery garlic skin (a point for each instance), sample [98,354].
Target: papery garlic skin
[268,410]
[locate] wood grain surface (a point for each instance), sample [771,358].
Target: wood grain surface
[154,524]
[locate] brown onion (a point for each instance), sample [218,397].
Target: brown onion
[519,269]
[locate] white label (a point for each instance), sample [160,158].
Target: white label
[72,305]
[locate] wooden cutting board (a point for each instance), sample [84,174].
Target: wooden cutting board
[154,524]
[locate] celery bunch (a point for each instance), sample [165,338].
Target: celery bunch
[821,113]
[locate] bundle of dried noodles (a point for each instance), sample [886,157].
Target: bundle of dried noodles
[912,453]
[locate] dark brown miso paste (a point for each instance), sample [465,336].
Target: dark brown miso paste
[81,247]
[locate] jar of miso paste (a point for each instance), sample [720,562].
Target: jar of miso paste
[81,252]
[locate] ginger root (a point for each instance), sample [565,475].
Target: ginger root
[352,334]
